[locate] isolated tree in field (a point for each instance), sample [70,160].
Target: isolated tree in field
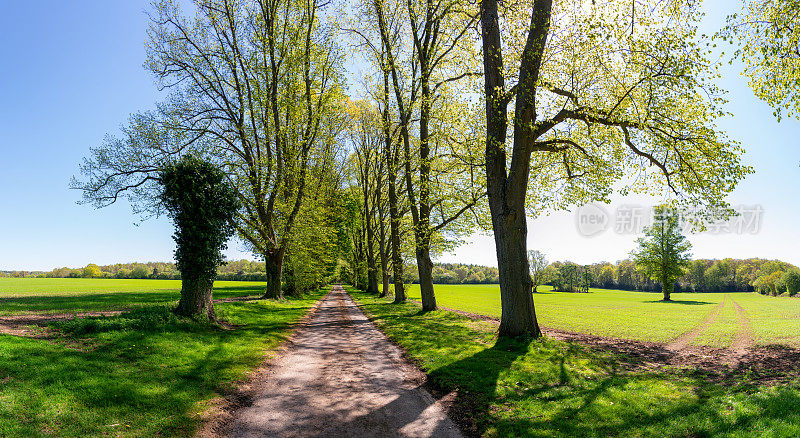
[663,252]
[202,205]
[538,265]
[606,94]
[769,33]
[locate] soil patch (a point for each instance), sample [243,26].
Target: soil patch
[34,325]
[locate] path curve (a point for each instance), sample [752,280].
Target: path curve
[341,377]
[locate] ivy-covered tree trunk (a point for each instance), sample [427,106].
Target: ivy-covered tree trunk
[196,298]
[274,270]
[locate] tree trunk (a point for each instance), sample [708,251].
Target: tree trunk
[394,225]
[506,190]
[666,288]
[425,268]
[274,269]
[518,315]
[196,298]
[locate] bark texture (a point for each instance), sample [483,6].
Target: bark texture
[196,298]
[274,270]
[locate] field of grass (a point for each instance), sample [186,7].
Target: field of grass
[21,295]
[638,315]
[143,373]
[547,388]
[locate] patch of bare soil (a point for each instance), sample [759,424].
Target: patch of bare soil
[763,364]
[34,325]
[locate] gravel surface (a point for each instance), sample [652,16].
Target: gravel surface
[341,377]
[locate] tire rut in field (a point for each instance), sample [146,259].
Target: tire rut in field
[744,335]
[682,341]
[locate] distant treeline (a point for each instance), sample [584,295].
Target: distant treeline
[702,275]
[243,270]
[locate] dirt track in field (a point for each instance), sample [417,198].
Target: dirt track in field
[341,377]
[33,324]
[771,363]
[682,341]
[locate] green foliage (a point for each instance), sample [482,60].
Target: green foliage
[553,388]
[537,264]
[202,205]
[790,281]
[143,373]
[769,34]
[663,252]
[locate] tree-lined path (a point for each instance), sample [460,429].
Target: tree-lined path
[341,377]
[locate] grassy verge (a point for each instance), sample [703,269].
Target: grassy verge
[555,388]
[143,373]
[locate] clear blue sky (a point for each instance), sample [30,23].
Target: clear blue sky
[72,72]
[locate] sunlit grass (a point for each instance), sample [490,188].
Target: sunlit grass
[603,312]
[21,295]
[547,388]
[144,373]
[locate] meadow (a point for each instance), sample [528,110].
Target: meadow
[144,372]
[550,388]
[641,315]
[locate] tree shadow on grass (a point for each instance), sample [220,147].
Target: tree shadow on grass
[110,300]
[682,302]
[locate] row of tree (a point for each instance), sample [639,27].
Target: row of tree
[702,275]
[468,115]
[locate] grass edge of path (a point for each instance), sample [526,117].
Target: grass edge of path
[558,388]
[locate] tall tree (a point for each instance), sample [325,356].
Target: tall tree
[366,137]
[663,252]
[202,204]
[427,50]
[255,85]
[602,90]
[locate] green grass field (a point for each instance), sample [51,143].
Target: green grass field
[639,315]
[550,388]
[23,295]
[143,373]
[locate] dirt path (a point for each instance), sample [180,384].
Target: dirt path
[682,341]
[341,377]
[744,336]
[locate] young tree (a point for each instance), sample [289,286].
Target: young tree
[202,205]
[602,90]
[537,264]
[662,253]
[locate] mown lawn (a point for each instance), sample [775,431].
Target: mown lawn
[548,388]
[638,315]
[143,373]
